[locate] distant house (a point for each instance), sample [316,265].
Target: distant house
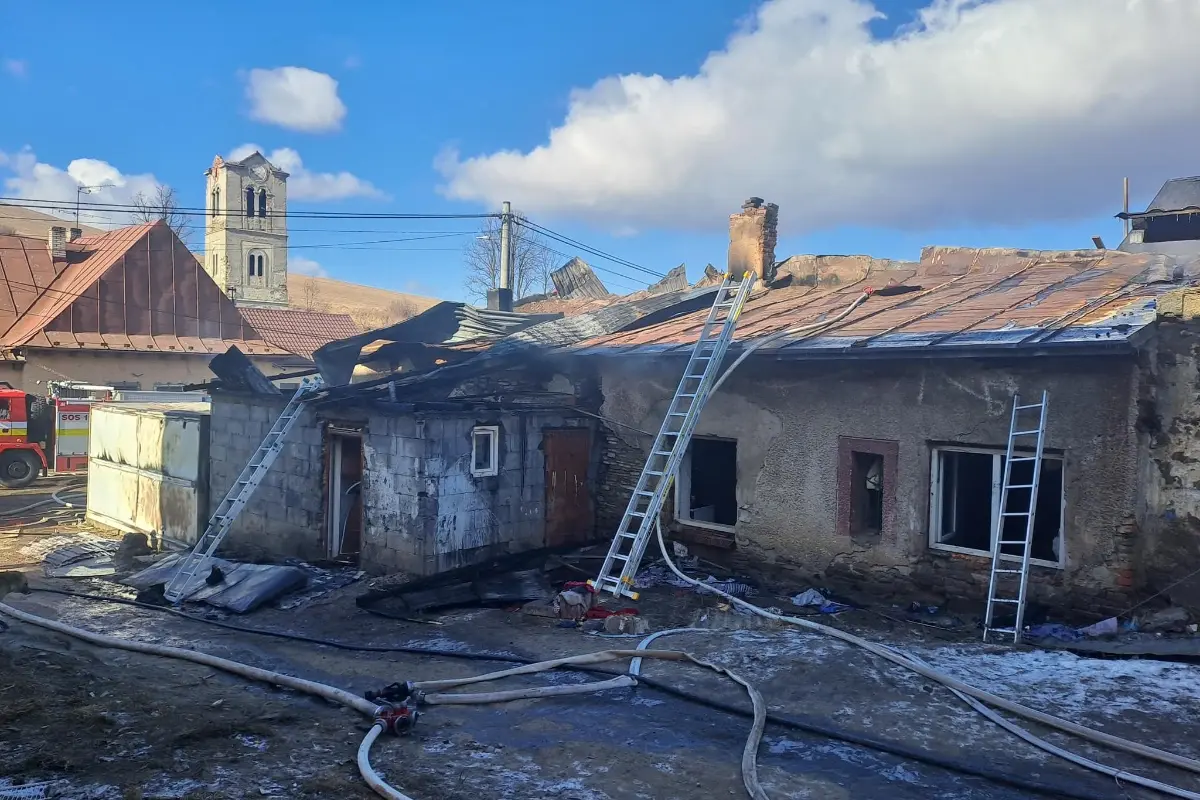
[1170,224]
[130,308]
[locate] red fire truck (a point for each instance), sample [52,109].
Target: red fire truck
[26,430]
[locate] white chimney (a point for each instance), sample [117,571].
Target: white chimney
[58,243]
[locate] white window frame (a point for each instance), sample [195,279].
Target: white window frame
[997,454]
[683,490]
[492,431]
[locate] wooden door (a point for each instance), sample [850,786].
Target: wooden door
[569,513]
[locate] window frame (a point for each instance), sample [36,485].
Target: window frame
[250,198]
[997,454]
[492,431]
[262,202]
[683,490]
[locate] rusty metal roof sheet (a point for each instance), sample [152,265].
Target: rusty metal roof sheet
[967,298]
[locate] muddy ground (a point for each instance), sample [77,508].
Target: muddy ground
[89,722]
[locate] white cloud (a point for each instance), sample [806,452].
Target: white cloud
[15,67]
[295,98]
[306,266]
[29,178]
[1005,112]
[306,185]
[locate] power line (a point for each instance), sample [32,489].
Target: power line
[588,248]
[634,286]
[116,208]
[363,245]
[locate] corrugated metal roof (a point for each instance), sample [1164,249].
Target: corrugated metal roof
[576,280]
[988,298]
[299,331]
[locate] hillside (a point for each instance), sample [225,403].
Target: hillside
[369,307]
[23,221]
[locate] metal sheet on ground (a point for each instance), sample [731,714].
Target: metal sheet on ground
[245,587]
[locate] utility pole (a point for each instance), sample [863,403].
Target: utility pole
[501,298]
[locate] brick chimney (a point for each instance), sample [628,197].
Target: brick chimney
[76,233]
[752,235]
[57,243]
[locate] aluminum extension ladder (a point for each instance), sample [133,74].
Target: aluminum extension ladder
[1003,574]
[669,446]
[239,494]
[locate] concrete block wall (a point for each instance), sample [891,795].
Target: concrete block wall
[395,502]
[425,512]
[284,517]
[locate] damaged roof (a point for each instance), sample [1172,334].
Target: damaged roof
[990,299]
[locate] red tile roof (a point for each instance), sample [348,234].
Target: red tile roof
[966,297]
[135,289]
[298,331]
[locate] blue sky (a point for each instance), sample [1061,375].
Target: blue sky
[158,89]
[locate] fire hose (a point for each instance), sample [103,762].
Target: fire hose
[394,710]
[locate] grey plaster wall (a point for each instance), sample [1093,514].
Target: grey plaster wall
[787,418]
[1169,548]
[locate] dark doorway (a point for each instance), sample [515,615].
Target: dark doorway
[569,519]
[343,501]
[712,482]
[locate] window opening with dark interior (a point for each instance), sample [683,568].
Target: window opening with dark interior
[866,493]
[262,202]
[249,202]
[966,499]
[708,493]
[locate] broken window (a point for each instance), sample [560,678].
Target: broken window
[966,504]
[866,493]
[262,202]
[706,490]
[216,201]
[485,450]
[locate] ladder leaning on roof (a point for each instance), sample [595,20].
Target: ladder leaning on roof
[1025,505]
[239,494]
[673,437]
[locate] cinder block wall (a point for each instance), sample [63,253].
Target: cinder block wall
[285,515]
[423,510]
[426,512]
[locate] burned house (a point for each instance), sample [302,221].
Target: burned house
[473,444]
[870,444]
[864,435]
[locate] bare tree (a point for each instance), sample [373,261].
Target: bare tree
[532,261]
[312,297]
[164,205]
[396,311]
